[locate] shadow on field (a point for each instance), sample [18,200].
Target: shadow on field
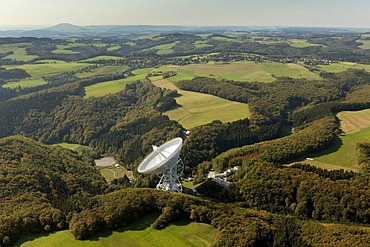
[29,238]
[335,146]
[139,225]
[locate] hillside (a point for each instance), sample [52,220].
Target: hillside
[40,184]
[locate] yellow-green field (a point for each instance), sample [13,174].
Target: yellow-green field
[353,121]
[25,83]
[198,108]
[201,44]
[110,87]
[240,71]
[19,50]
[71,146]
[165,48]
[38,70]
[301,43]
[343,66]
[112,172]
[342,155]
[101,58]
[138,234]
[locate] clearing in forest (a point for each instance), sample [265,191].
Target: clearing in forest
[199,108]
[182,233]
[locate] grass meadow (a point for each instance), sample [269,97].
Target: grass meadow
[25,83]
[342,154]
[38,70]
[181,233]
[240,71]
[110,87]
[343,66]
[198,108]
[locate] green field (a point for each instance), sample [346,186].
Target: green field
[25,83]
[138,234]
[201,44]
[19,51]
[38,70]
[343,66]
[110,87]
[198,108]
[301,43]
[101,58]
[164,49]
[71,146]
[112,172]
[240,71]
[343,152]
[113,48]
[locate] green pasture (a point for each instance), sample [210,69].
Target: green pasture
[51,61]
[343,66]
[342,154]
[112,172]
[71,146]
[113,48]
[110,87]
[101,58]
[165,48]
[181,233]
[25,83]
[39,70]
[201,44]
[19,51]
[226,39]
[365,44]
[240,71]
[198,108]
[301,43]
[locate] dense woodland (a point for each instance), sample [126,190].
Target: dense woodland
[46,188]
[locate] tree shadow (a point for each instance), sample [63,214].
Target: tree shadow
[334,147]
[30,237]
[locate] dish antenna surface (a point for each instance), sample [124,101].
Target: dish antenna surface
[165,161]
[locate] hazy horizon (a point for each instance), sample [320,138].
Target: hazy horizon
[297,13]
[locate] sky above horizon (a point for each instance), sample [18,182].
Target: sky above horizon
[313,13]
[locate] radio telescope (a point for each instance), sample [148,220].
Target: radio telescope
[165,161]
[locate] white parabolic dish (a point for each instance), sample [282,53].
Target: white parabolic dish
[163,157]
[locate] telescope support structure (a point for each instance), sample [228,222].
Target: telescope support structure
[170,179]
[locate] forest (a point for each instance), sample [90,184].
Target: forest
[273,199]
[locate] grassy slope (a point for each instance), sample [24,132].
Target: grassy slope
[71,146]
[198,108]
[342,155]
[25,83]
[165,48]
[111,172]
[343,66]
[140,234]
[107,87]
[38,70]
[19,51]
[240,71]
[101,58]
[353,121]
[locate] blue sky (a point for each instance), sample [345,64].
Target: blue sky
[328,13]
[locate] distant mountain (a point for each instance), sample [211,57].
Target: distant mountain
[65,27]
[64,30]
